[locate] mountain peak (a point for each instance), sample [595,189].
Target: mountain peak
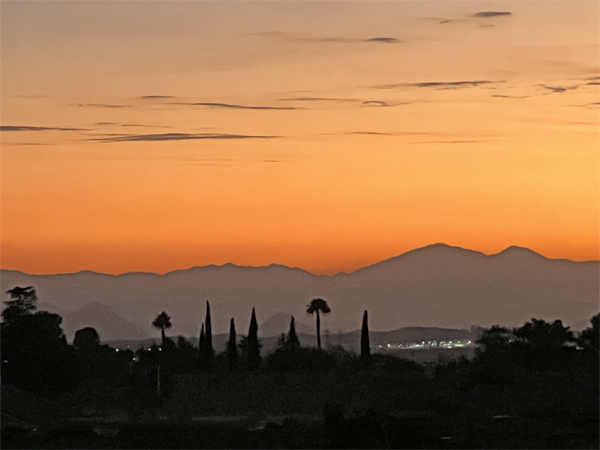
[515,250]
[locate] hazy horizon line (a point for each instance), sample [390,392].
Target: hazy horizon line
[437,244]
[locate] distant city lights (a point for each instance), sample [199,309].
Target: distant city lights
[453,343]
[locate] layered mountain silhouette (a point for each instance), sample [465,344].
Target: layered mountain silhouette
[434,286]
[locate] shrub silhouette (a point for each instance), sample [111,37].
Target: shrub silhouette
[589,338]
[86,339]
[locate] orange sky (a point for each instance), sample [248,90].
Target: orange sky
[154,136]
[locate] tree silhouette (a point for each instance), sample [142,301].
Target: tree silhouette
[208,331]
[162,322]
[292,338]
[201,341]
[544,335]
[253,344]
[588,339]
[232,354]
[22,301]
[207,349]
[86,339]
[318,305]
[365,347]
[35,354]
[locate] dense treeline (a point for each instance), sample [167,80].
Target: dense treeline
[508,363]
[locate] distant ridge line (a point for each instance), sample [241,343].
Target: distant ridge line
[508,250]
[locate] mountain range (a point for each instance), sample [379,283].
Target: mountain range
[434,286]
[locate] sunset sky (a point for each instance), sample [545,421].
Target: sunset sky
[154,136]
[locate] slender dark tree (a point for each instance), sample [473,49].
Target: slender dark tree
[201,342]
[318,305]
[202,349]
[208,354]
[162,322]
[292,338]
[253,345]
[365,346]
[232,354]
[208,335]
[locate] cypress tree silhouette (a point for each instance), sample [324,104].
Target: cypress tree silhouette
[208,347]
[292,337]
[201,346]
[365,347]
[253,347]
[232,354]
[208,335]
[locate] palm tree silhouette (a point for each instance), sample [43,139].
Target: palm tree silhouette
[318,305]
[162,321]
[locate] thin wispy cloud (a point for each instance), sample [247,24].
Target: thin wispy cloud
[140,125]
[383,40]
[380,104]
[25,144]
[486,14]
[228,161]
[511,96]
[469,141]
[233,106]
[307,37]
[358,101]
[131,125]
[156,97]
[177,137]
[31,128]
[557,89]
[439,84]
[392,133]
[100,105]
[320,99]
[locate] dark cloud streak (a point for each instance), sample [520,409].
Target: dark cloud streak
[232,106]
[178,137]
[492,14]
[439,84]
[100,105]
[30,128]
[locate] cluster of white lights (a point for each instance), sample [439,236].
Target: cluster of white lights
[430,344]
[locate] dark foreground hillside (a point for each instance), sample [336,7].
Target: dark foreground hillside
[530,387]
[379,407]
